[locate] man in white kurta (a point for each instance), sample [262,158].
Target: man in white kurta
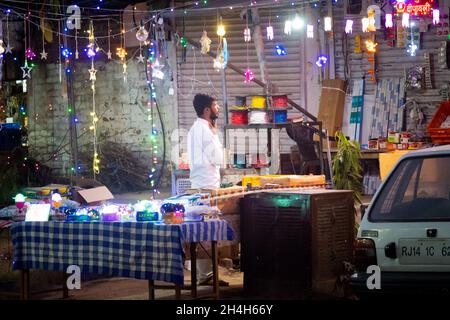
[205,153]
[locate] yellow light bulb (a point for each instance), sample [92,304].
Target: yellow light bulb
[220,30]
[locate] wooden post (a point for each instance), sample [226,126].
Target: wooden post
[215,267]
[24,284]
[151,290]
[193,251]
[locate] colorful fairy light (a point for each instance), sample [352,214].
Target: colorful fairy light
[310,31]
[121,53]
[388,21]
[142,34]
[348,26]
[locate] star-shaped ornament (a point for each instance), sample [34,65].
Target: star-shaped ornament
[44,55]
[26,70]
[92,74]
[8,49]
[141,58]
[109,54]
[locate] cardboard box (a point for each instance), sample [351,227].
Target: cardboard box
[331,106]
[94,196]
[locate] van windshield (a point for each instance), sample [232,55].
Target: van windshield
[418,190]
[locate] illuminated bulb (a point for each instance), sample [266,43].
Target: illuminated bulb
[269,33]
[298,23]
[365,24]
[327,24]
[389,23]
[310,31]
[249,76]
[405,20]
[435,16]
[371,46]
[247,35]
[349,26]
[288,27]
[220,30]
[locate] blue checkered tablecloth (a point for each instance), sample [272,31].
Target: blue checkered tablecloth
[138,250]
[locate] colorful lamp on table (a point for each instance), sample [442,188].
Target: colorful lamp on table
[20,201]
[56,200]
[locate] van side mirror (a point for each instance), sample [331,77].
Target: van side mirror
[363,207]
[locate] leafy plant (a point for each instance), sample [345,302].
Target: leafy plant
[347,168]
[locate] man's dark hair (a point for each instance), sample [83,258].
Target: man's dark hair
[201,102]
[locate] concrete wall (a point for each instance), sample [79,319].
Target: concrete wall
[121,107]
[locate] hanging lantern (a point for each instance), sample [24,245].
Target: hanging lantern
[288,27]
[29,54]
[371,46]
[365,24]
[389,23]
[405,20]
[247,34]
[249,75]
[205,41]
[280,50]
[327,24]
[183,42]
[298,22]
[348,26]
[142,34]
[121,53]
[310,31]
[2,49]
[435,16]
[412,48]
[321,61]
[269,33]
[357,44]
[221,30]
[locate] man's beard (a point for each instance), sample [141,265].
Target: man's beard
[213,116]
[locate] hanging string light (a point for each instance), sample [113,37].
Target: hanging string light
[365,24]
[8,48]
[327,24]
[93,127]
[288,27]
[298,23]
[348,26]
[405,20]
[388,21]
[247,32]
[310,31]
[435,16]
[269,28]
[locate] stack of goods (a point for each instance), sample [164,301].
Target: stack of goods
[283,180]
[42,193]
[239,113]
[258,114]
[279,108]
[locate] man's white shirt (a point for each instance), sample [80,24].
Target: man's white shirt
[205,153]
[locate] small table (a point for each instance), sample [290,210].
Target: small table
[141,250]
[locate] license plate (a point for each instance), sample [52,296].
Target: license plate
[424,251]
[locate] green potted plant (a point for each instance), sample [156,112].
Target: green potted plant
[347,169]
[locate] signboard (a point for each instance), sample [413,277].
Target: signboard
[414,7]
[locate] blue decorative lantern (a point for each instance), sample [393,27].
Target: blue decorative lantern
[280,50]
